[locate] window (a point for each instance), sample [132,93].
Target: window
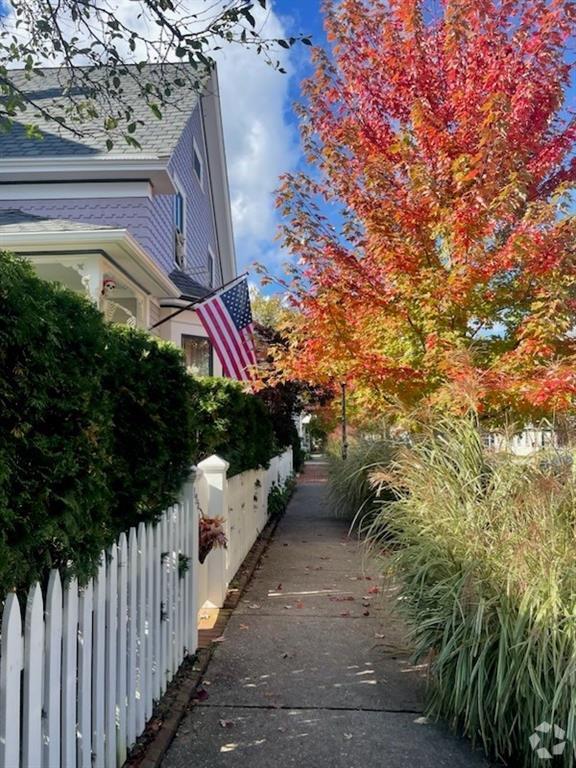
[198,164]
[179,224]
[198,354]
[179,212]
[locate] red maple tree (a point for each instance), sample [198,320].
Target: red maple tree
[434,237]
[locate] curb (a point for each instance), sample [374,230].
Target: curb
[153,744]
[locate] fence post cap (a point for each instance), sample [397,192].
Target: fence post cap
[214,464]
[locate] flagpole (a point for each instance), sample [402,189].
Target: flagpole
[197,301]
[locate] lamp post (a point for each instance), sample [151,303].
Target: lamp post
[344,424]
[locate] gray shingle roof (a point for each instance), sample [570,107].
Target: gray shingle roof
[157,137]
[190,288]
[13,221]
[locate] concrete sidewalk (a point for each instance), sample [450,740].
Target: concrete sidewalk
[313,669]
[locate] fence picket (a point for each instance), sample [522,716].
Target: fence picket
[33,677]
[98,666]
[194,572]
[150,605]
[85,677]
[53,661]
[10,668]
[121,649]
[156,608]
[110,660]
[69,673]
[141,631]
[132,639]
[179,604]
[172,597]
[164,603]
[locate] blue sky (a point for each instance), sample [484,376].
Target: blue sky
[261,130]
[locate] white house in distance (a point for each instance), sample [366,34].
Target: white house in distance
[141,231]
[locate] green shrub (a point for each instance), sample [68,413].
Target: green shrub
[283,402]
[95,431]
[231,423]
[152,425]
[350,491]
[279,496]
[55,442]
[488,583]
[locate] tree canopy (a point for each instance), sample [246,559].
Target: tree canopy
[434,238]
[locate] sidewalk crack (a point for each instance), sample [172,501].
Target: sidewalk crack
[311,708]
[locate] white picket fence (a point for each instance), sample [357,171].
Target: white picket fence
[80,674]
[243,503]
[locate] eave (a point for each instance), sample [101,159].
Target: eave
[97,167]
[117,245]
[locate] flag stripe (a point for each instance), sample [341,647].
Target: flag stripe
[233,335]
[221,343]
[215,335]
[248,341]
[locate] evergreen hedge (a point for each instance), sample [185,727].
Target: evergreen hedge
[98,428]
[55,439]
[231,423]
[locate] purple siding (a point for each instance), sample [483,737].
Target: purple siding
[199,226]
[152,228]
[150,220]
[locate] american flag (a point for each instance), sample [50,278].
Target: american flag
[227,319]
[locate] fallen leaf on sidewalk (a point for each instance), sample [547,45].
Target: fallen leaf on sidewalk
[218,639]
[279,588]
[299,604]
[200,694]
[374,590]
[377,634]
[366,613]
[345,613]
[244,626]
[348,736]
[226,723]
[287,607]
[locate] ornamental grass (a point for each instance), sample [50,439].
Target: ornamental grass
[351,494]
[486,560]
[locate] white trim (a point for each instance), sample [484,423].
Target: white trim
[118,244]
[94,167]
[212,277]
[179,190]
[177,303]
[196,150]
[75,190]
[216,154]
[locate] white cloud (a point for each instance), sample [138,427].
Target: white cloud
[260,142]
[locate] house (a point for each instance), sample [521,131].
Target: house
[141,231]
